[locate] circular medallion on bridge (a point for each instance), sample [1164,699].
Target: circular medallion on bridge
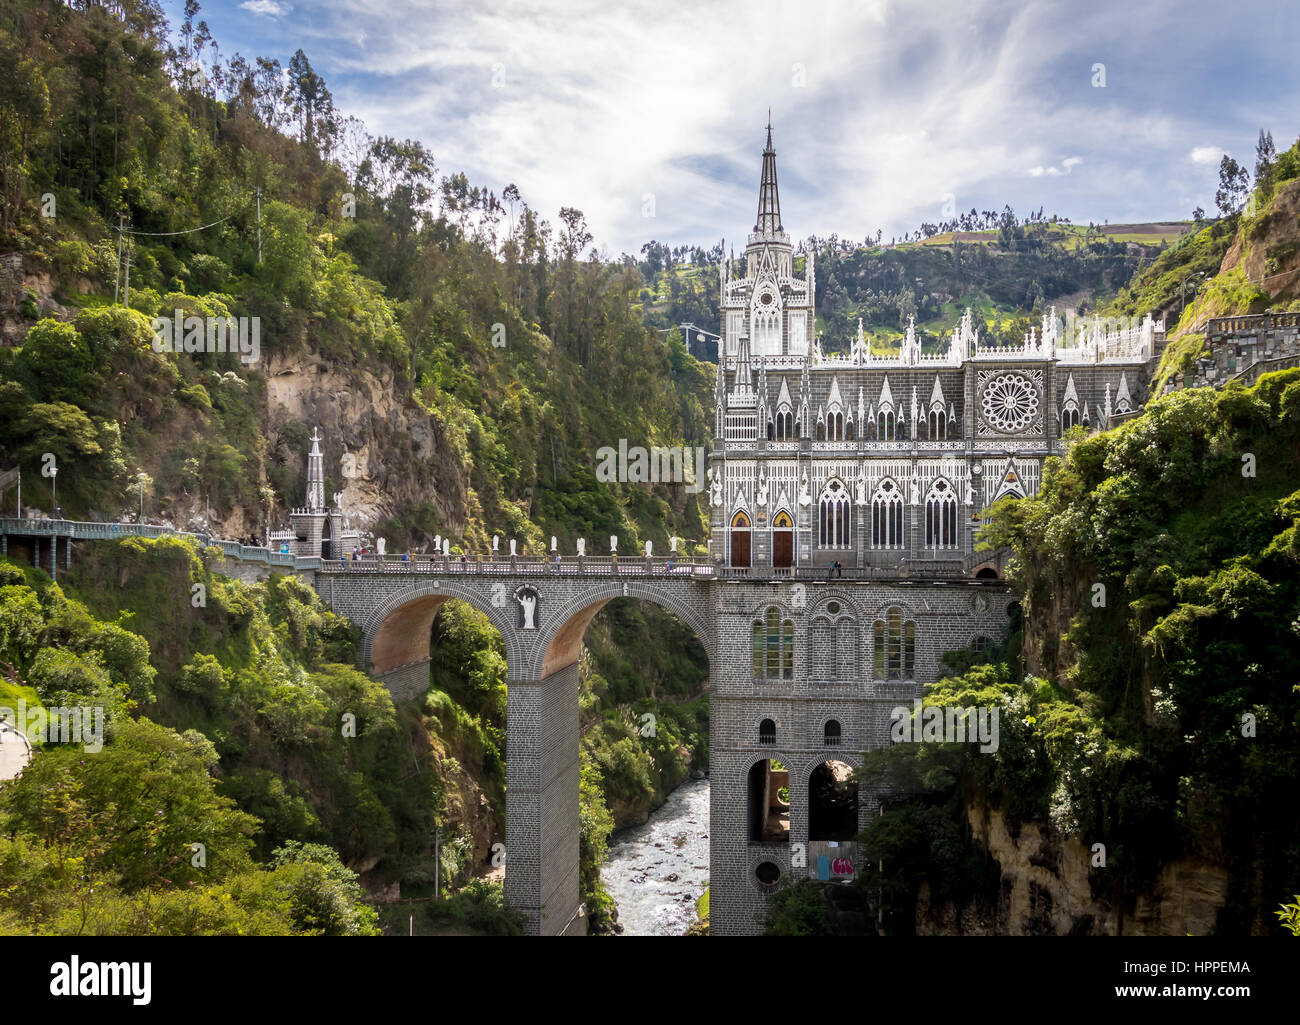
[1009,403]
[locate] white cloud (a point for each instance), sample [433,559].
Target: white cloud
[1067,165]
[270,8]
[1206,155]
[600,104]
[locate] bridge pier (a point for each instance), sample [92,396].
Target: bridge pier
[542,820]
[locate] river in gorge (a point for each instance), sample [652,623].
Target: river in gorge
[656,871]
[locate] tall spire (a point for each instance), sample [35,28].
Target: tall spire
[769,202]
[315,474]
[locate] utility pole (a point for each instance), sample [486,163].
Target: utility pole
[436,863]
[126,301]
[117,277]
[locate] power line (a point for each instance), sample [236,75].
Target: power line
[187,231]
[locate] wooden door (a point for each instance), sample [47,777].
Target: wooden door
[782,548]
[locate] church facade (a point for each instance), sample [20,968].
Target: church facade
[885,460]
[845,492]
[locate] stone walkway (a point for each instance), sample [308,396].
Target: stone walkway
[15,752]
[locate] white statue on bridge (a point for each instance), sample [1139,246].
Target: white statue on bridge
[512,548]
[613,543]
[582,547]
[496,543]
[649,549]
[672,544]
[381,544]
[446,546]
[554,544]
[528,602]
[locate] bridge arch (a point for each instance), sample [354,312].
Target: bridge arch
[561,635]
[396,631]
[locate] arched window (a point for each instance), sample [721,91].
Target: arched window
[885,425]
[895,647]
[835,426]
[1069,416]
[784,424]
[887,516]
[773,642]
[941,516]
[767,732]
[833,804]
[938,425]
[833,516]
[831,733]
[833,645]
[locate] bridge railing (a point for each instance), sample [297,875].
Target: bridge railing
[519,566]
[85,530]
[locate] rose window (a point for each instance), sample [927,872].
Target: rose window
[1010,403]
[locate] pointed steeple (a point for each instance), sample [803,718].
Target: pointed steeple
[769,202]
[315,474]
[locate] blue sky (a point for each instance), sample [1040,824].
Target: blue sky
[883,112]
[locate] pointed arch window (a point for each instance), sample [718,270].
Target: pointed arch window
[938,424]
[785,424]
[886,427]
[773,643]
[1070,415]
[941,516]
[895,646]
[833,516]
[887,516]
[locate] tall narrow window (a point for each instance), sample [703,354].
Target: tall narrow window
[887,516]
[833,516]
[941,516]
[895,646]
[773,646]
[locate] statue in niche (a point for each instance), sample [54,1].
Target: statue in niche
[805,496]
[527,599]
[860,491]
[716,490]
[916,492]
[762,490]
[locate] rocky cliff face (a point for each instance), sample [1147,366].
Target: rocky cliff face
[1268,249]
[382,451]
[1045,890]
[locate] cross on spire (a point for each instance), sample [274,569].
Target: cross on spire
[769,202]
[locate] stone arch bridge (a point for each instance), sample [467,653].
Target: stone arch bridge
[805,671]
